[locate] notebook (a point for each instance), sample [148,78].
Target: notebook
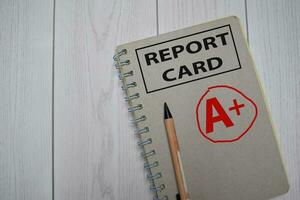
[227,147]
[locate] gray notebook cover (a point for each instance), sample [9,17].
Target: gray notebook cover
[207,76]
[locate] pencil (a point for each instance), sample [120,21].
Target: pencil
[175,153]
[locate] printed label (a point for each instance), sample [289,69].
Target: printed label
[189,58]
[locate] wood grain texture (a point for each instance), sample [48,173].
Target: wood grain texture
[274,32]
[25,99]
[178,14]
[95,151]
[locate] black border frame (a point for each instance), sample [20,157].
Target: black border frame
[136,51]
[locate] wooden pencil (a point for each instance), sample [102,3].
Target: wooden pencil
[175,153]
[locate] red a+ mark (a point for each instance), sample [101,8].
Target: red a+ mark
[221,116]
[236,107]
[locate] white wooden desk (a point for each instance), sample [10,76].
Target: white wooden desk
[64,131]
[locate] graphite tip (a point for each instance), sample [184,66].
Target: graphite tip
[167,113]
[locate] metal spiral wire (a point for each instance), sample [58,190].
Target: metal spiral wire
[119,65]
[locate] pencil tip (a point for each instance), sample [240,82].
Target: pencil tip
[167,114]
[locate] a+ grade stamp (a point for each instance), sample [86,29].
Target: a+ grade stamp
[225,114]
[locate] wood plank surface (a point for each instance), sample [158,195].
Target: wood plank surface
[274,32]
[173,15]
[95,151]
[25,99]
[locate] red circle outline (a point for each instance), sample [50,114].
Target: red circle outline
[232,88]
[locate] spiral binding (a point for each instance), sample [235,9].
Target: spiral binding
[119,65]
